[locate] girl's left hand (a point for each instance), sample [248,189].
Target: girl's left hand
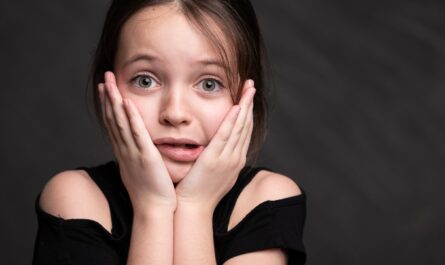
[216,170]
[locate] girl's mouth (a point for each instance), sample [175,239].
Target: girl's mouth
[190,146]
[180,152]
[179,149]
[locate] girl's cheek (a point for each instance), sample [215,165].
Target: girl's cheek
[214,118]
[148,111]
[122,88]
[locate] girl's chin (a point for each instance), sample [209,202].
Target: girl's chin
[176,170]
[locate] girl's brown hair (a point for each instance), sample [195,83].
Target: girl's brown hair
[237,22]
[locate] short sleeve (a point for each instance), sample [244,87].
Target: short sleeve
[75,241]
[288,223]
[272,224]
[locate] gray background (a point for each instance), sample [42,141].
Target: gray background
[358,121]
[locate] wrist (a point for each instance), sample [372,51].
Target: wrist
[145,204]
[153,211]
[195,208]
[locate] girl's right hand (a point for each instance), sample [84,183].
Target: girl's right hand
[141,166]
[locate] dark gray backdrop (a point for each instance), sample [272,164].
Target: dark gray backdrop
[358,119]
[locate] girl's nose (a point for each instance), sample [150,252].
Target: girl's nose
[174,110]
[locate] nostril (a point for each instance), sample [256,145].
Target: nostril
[174,117]
[174,108]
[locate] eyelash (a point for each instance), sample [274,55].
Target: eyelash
[218,83]
[135,81]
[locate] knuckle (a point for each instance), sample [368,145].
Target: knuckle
[145,159]
[109,116]
[120,125]
[142,160]
[211,165]
[238,131]
[231,163]
[136,134]
[123,150]
[224,135]
[134,156]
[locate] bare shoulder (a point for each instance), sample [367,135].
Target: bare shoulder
[73,194]
[272,186]
[265,186]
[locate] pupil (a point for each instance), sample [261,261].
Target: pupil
[146,81]
[209,85]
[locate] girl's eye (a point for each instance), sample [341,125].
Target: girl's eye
[144,81]
[210,85]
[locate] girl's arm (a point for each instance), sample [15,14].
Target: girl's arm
[74,195]
[265,186]
[210,178]
[145,177]
[197,227]
[152,238]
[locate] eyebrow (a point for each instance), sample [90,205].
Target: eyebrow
[214,62]
[141,57]
[150,57]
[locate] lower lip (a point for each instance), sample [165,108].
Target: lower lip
[178,153]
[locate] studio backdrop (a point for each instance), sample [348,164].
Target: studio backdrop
[358,119]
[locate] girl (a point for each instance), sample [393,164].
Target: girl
[179,89]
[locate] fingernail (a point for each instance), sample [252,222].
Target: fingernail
[108,76]
[250,83]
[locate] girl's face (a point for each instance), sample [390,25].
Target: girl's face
[176,79]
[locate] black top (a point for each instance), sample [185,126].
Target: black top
[272,224]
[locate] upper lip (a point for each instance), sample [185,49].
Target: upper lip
[174,141]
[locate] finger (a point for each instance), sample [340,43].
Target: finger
[246,144]
[240,123]
[103,99]
[247,122]
[120,118]
[247,131]
[247,85]
[101,88]
[109,118]
[222,135]
[139,132]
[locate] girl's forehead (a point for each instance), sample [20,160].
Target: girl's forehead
[164,31]
[165,15]
[163,27]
